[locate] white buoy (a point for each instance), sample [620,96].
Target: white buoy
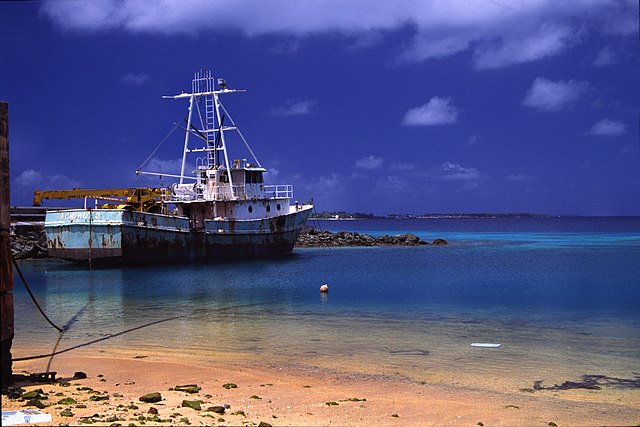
[324,288]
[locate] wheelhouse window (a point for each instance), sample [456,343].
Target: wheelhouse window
[253,177]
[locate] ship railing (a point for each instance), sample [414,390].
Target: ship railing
[240,192]
[278,191]
[187,192]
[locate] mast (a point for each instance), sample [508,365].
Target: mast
[212,128]
[186,140]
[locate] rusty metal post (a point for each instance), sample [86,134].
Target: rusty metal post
[6,268]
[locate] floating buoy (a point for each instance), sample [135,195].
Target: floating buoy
[324,288]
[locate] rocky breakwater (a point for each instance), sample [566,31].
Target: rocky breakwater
[28,240]
[311,237]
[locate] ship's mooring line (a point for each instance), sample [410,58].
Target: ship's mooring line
[55,353]
[33,298]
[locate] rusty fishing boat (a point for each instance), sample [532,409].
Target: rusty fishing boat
[223,210]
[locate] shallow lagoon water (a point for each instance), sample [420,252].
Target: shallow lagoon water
[561,296]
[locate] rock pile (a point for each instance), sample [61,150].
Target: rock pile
[311,237]
[28,241]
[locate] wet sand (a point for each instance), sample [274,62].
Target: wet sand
[280,394]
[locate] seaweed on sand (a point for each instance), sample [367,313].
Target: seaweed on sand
[593,382]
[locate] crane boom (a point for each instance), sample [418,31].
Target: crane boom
[77,193]
[143,199]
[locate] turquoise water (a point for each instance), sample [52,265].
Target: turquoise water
[561,296]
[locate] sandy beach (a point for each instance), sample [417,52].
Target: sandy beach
[291,395]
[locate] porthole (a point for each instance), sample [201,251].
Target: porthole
[250,209]
[278,206]
[268,208]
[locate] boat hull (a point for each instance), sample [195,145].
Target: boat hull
[112,235]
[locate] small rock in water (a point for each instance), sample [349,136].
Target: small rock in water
[324,288]
[79,375]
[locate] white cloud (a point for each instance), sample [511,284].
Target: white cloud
[606,56]
[166,166]
[606,127]
[271,174]
[499,33]
[547,40]
[135,78]
[548,95]
[326,184]
[438,111]
[390,182]
[369,162]
[29,177]
[294,108]
[455,172]
[32,179]
[473,140]
[366,40]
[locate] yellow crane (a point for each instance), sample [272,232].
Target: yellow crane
[139,199]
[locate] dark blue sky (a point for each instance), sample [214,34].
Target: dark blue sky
[381,107]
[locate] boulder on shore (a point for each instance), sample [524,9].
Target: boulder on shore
[28,241]
[311,237]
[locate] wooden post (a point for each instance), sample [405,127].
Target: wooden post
[6,266]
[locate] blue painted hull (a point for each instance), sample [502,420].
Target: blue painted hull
[110,235]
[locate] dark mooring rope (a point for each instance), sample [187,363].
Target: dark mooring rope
[33,298]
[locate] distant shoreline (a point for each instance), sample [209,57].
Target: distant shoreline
[470,216]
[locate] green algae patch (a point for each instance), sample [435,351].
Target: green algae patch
[151,397]
[193,404]
[189,388]
[66,413]
[67,401]
[34,394]
[229,386]
[98,397]
[35,402]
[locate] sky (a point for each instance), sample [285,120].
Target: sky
[413,106]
